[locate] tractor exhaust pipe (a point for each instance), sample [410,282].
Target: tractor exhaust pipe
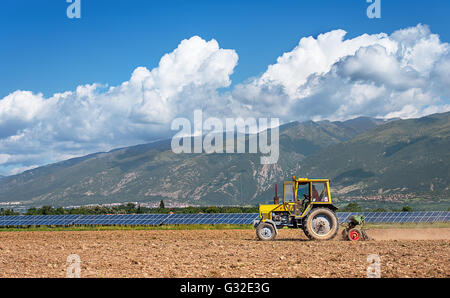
[276,199]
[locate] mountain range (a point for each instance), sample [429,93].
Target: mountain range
[372,161]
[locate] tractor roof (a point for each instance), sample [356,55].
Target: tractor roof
[308,180]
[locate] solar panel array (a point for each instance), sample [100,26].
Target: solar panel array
[38,220]
[208,218]
[121,219]
[212,218]
[399,217]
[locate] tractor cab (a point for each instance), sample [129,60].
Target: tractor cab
[300,194]
[306,204]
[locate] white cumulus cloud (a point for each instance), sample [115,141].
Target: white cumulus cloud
[330,77]
[34,129]
[404,74]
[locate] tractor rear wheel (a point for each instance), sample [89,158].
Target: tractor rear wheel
[321,224]
[265,232]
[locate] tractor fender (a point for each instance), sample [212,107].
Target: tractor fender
[329,206]
[271,222]
[311,207]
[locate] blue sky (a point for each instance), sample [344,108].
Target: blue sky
[44,51]
[122,73]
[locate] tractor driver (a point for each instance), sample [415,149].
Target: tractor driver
[315,194]
[323,195]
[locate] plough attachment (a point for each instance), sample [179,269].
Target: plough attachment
[354,229]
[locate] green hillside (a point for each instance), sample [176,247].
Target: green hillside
[372,162]
[401,160]
[151,172]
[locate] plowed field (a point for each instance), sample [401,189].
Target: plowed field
[222,253]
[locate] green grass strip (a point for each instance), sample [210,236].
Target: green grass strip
[207,227]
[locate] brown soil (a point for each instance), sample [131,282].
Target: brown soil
[410,234]
[222,253]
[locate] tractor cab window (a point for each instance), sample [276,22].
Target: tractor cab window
[302,190]
[320,192]
[288,192]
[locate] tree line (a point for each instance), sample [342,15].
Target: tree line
[355,207]
[131,208]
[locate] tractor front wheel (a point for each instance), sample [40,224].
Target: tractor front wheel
[265,232]
[321,224]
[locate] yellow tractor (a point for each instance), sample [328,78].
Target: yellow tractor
[306,205]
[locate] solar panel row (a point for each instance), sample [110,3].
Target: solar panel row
[210,218]
[124,219]
[399,217]
[220,218]
[30,220]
